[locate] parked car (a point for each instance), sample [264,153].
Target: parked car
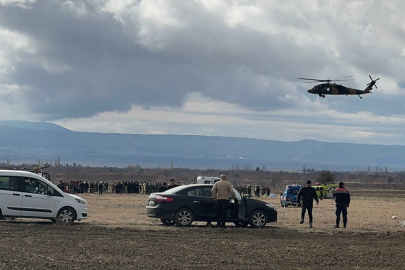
[184,204]
[289,196]
[28,195]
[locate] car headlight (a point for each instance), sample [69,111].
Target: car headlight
[270,205]
[80,201]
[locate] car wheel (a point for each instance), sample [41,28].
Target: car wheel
[66,215]
[258,219]
[167,222]
[184,217]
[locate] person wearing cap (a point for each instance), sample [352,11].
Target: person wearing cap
[172,184]
[221,191]
[308,195]
[342,198]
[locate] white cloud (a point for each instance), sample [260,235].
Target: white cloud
[77,8]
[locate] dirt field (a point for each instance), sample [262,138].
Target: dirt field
[118,235]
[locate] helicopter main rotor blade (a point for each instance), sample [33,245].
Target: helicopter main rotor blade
[370,77]
[345,77]
[308,79]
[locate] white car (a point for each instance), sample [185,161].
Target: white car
[28,195]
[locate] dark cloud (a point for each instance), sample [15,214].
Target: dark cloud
[92,60]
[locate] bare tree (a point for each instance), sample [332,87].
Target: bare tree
[325,177]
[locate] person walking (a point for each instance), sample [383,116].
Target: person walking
[308,195]
[342,198]
[221,191]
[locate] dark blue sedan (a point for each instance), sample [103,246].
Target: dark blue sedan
[184,204]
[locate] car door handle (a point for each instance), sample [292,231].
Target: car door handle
[27,196]
[16,194]
[196,202]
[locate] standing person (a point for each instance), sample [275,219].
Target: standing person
[221,191]
[342,198]
[257,191]
[163,188]
[172,184]
[100,188]
[308,194]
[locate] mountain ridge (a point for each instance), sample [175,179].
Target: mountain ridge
[48,141]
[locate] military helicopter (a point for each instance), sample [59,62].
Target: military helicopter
[328,88]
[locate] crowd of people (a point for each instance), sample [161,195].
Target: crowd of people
[119,187]
[257,191]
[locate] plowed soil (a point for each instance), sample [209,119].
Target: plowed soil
[118,235]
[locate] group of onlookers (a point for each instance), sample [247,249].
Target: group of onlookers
[119,187]
[256,190]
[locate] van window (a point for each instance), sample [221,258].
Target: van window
[8,183]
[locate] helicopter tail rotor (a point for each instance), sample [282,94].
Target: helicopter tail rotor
[372,83]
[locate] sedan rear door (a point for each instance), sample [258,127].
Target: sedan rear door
[203,203]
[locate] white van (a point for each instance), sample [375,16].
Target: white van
[207,180]
[28,195]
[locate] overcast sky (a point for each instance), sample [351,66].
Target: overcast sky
[205,67]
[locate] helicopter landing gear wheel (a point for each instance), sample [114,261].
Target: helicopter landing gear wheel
[323,96]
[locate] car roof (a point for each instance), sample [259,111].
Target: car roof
[182,187]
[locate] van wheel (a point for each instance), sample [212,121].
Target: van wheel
[66,215]
[184,217]
[258,219]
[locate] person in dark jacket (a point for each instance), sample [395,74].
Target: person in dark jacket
[172,184]
[308,195]
[163,188]
[342,198]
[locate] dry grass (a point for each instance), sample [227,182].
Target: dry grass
[365,213]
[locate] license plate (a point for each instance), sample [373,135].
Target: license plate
[151,203]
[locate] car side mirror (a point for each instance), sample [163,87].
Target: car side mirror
[49,193]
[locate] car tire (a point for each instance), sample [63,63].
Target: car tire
[184,217]
[167,222]
[66,215]
[258,219]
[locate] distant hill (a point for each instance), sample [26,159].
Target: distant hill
[27,142]
[31,125]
